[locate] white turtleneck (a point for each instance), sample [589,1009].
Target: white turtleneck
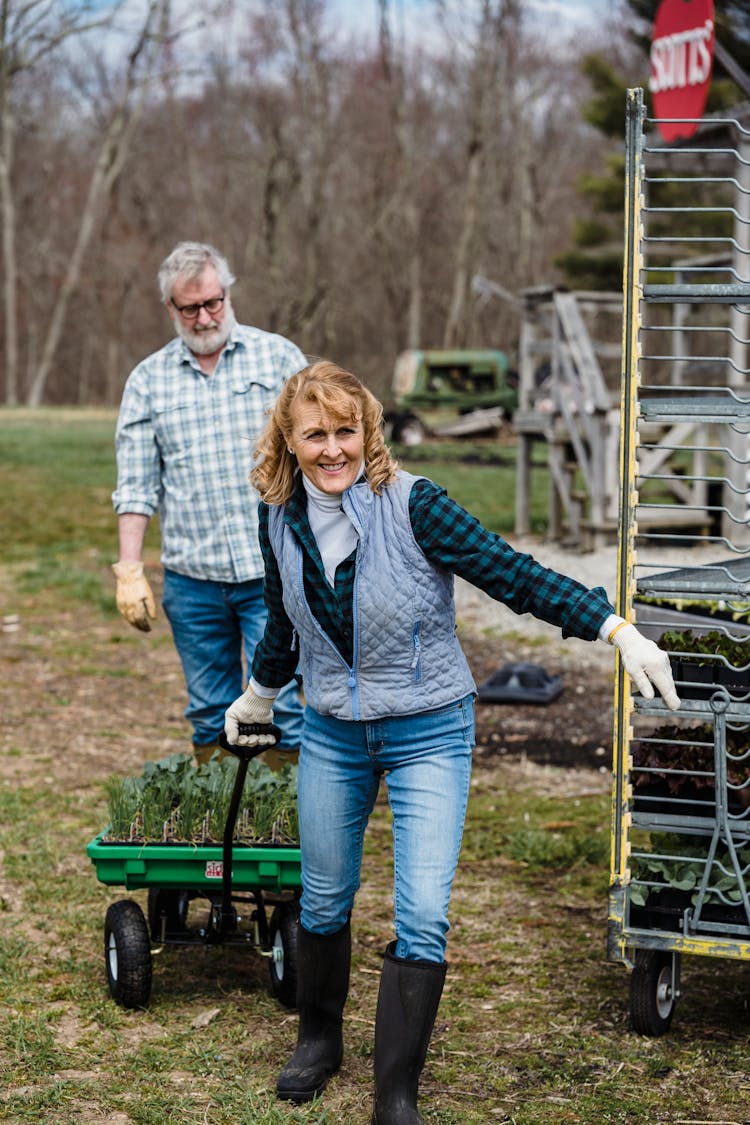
[333,530]
[336,538]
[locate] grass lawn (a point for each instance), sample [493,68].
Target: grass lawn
[533,1028]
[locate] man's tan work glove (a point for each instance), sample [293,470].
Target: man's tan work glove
[249,708]
[134,598]
[646,664]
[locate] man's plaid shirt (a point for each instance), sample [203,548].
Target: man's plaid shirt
[185,444]
[450,537]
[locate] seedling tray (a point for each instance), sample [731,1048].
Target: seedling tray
[187,866]
[701,681]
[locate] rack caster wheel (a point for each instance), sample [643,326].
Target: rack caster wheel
[653,991]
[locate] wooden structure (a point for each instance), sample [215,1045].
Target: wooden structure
[569,400]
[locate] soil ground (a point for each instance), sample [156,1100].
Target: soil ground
[573,731]
[576,729]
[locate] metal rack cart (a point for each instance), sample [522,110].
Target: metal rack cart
[680,875]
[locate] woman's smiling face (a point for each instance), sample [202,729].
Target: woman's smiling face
[329,451]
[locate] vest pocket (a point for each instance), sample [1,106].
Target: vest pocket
[416,655]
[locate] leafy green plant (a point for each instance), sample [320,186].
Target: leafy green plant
[274,818]
[704,648]
[191,809]
[175,801]
[676,757]
[219,796]
[681,761]
[679,862]
[123,803]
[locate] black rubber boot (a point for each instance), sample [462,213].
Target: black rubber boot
[322,986]
[408,1001]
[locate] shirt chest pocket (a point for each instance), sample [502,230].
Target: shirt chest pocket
[177,425]
[253,398]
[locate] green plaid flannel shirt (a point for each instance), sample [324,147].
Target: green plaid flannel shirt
[451,538]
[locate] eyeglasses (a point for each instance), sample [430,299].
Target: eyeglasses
[212,305]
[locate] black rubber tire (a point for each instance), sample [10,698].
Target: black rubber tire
[283,967]
[127,954]
[174,904]
[652,1001]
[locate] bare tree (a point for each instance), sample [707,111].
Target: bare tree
[405,174]
[357,182]
[113,152]
[496,35]
[30,31]
[311,84]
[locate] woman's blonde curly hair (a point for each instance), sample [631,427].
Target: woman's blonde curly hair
[341,398]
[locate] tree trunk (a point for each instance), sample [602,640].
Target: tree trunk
[414,310]
[394,73]
[311,80]
[493,51]
[10,267]
[455,325]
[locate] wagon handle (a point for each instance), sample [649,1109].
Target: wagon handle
[245,754]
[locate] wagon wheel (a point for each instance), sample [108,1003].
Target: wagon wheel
[127,953]
[652,997]
[283,964]
[173,905]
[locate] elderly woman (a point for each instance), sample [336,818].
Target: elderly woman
[360,558]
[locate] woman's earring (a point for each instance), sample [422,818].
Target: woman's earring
[290,450]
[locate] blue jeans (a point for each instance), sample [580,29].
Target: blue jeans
[426,760]
[210,621]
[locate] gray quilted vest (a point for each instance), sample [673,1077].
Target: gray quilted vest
[407,657]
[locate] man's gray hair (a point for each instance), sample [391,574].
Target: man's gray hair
[188,260]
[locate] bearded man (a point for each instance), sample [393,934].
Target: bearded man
[188,422]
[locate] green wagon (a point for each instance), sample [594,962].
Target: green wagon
[241,883]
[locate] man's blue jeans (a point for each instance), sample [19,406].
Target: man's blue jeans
[210,621]
[426,760]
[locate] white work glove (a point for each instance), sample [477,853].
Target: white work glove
[135,600]
[249,708]
[646,664]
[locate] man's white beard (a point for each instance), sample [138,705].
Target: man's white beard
[206,341]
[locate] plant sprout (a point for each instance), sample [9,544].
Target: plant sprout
[178,802]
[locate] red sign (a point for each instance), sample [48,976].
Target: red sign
[682,49]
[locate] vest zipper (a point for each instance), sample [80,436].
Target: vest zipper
[355,650]
[351,672]
[352,681]
[416,661]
